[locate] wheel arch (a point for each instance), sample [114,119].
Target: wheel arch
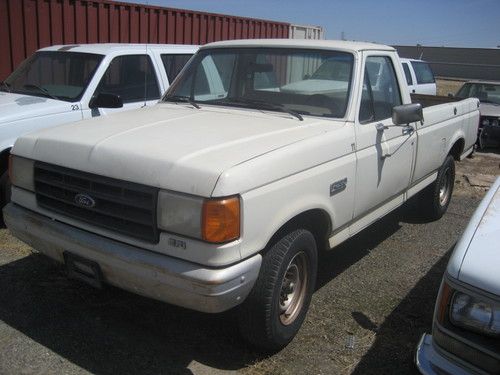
[457,148]
[316,220]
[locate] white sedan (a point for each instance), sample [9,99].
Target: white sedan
[466,329]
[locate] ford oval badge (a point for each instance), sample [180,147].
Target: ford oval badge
[84,200]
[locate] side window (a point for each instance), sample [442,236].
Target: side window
[380,90]
[423,72]
[173,64]
[406,69]
[132,77]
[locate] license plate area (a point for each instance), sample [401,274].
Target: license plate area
[79,268]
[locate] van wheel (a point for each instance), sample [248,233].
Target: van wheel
[438,195]
[273,312]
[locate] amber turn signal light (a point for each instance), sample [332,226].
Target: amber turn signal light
[221,220]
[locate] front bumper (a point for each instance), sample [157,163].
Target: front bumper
[140,271]
[431,362]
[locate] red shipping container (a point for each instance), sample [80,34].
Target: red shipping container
[27,25]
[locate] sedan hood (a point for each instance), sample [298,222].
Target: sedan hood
[174,147]
[14,107]
[488,109]
[477,254]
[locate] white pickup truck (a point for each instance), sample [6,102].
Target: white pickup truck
[222,194]
[67,83]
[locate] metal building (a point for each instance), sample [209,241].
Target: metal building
[463,63]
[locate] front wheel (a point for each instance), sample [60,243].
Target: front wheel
[436,198]
[272,314]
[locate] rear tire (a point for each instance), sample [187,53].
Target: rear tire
[436,198]
[276,307]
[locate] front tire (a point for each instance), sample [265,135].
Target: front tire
[276,307]
[437,197]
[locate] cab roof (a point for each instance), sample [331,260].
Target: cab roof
[105,48]
[301,43]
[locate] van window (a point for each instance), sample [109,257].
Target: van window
[406,69]
[380,90]
[173,64]
[423,72]
[132,77]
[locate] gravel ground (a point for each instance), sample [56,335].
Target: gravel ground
[377,290]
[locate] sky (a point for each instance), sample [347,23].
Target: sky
[457,23]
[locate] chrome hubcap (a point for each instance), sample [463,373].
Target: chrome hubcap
[444,188]
[293,289]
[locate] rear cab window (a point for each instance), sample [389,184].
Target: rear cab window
[423,72]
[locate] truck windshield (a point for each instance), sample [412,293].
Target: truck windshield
[298,81]
[54,74]
[485,92]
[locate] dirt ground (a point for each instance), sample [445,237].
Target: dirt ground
[446,86]
[376,290]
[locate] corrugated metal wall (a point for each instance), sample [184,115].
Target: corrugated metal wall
[463,63]
[27,25]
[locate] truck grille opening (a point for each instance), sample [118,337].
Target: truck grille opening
[120,206]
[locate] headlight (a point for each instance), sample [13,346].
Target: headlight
[485,122]
[476,314]
[21,172]
[494,122]
[214,220]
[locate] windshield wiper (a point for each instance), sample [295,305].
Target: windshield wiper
[259,104]
[182,99]
[6,85]
[41,89]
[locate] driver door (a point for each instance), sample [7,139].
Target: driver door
[133,78]
[384,151]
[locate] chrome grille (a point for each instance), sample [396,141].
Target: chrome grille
[120,206]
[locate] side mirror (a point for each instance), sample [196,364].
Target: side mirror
[104,100]
[307,76]
[451,95]
[407,113]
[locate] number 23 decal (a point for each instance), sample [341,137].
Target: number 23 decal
[74,107]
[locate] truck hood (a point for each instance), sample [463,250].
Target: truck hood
[14,107]
[174,147]
[481,255]
[488,109]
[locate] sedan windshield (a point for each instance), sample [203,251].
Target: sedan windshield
[300,82]
[53,74]
[485,92]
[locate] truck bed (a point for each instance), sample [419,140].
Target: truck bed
[430,100]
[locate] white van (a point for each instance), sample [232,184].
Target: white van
[419,77]
[67,83]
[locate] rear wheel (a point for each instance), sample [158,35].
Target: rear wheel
[272,314]
[436,198]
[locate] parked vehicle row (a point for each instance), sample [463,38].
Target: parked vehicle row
[63,84]
[261,154]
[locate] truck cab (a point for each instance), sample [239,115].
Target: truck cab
[419,76]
